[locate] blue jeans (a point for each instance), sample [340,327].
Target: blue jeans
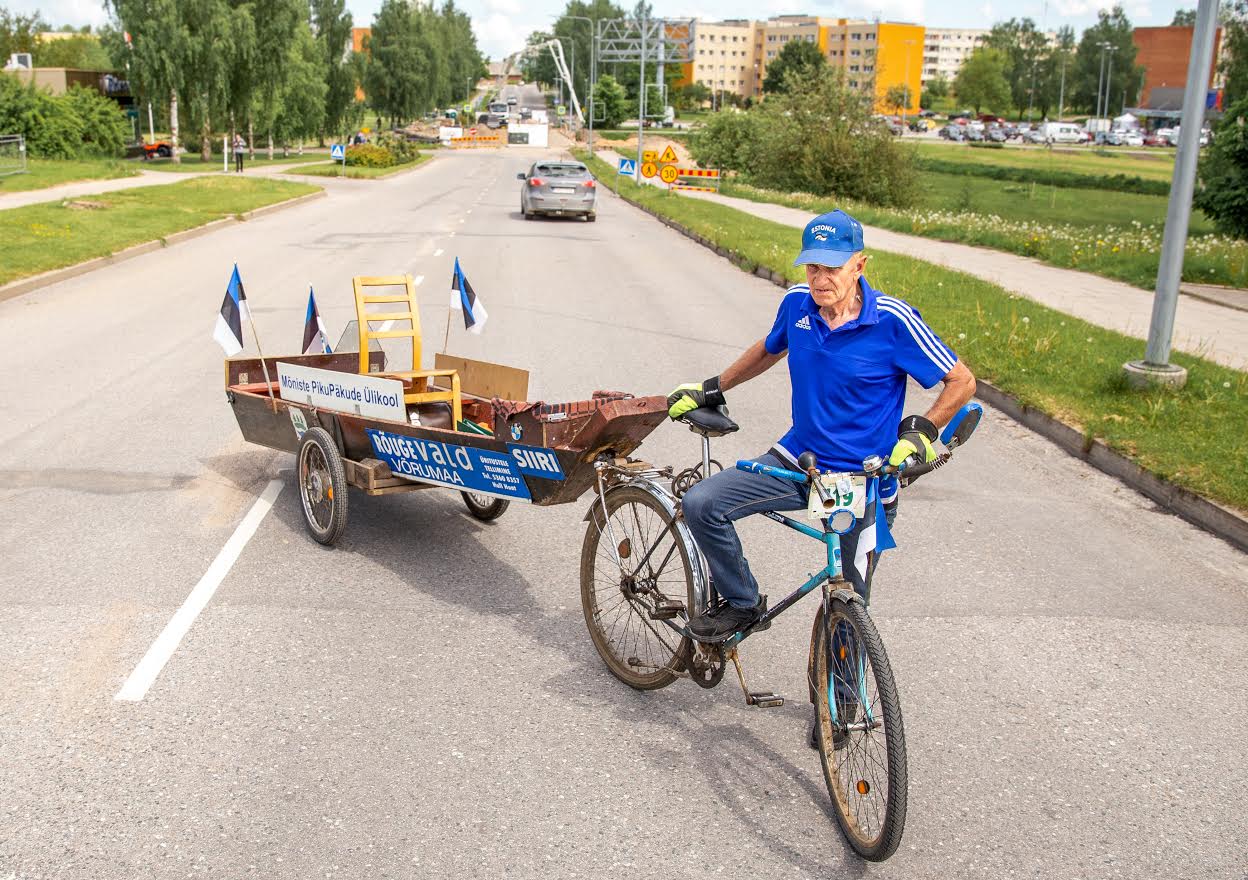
[713,505]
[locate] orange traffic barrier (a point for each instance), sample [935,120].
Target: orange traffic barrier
[705,189]
[697,172]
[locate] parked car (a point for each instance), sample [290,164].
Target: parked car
[974,134]
[1062,133]
[953,133]
[1155,140]
[559,188]
[1114,139]
[1133,139]
[1034,136]
[996,134]
[525,113]
[511,102]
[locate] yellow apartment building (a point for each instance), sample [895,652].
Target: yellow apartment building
[732,56]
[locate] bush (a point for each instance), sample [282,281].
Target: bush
[1223,184]
[369,156]
[817,136]
[104,127]
[401,150]
[80,123]
[987,145]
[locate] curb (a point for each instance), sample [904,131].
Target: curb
[1197,510]
[34,282]
[398,172]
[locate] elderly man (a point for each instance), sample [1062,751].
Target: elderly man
[850,349]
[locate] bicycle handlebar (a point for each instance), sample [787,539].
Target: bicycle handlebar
[909,473]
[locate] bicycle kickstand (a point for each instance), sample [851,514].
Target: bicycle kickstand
[762,699]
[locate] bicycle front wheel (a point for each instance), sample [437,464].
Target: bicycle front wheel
[862,743]
[631,574]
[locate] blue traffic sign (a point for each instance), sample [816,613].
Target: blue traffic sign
[628,166]
[337,153]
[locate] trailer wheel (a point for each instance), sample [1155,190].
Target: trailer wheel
[322,486]
[484,507]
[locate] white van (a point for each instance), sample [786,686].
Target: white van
[1061,133]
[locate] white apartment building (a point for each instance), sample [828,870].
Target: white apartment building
[945,49]
[724,56]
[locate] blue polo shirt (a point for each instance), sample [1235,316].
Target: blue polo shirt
[849,384]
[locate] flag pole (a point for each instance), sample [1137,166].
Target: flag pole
[267,381]
[447,337]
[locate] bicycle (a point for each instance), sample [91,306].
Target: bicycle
[637,614]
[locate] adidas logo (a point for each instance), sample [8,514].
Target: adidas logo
[804,323]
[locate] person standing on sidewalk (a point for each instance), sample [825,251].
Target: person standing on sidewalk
[240,148]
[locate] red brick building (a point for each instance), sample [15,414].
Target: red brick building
[1164,53]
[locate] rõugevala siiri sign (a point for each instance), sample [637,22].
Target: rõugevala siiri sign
[466,468]
[368,396]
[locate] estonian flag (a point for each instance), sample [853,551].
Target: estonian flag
[463,298]
[315,339]
[875,535]
[229,329]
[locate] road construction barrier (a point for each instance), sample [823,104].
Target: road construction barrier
[680,176]
[705,189]
[477,141]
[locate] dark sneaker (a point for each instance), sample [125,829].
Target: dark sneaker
[722,621]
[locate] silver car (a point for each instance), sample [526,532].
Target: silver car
[558,187]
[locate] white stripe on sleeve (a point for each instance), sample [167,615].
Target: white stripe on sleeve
[937,354]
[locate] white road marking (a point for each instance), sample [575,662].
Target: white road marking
[418,280]
[149,668]
[438,252]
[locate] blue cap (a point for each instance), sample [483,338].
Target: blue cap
[830,240]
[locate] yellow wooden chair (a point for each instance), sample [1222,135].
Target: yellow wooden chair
[421,391]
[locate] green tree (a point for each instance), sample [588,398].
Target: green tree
[80,52]
[800,58]
[1057,64]
[161,57]
[275,28]
[938,86]
[19,33]
[331,23]
[898,97]
[610,102]
[981,80]
[1023,47]
[1184,18]
[397,76]
[691,96]
[301,110]
[1234,63]
[1222,187]
[1114,28]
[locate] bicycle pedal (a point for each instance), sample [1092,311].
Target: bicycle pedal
[764,700]
[666,609]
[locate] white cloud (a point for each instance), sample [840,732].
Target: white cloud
[59,12]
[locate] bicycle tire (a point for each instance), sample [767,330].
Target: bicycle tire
[621,628]
[873,836]
[322,486]
[484,507]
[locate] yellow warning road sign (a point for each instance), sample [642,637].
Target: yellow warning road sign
[669,155]
[649,169]
[649,155]
[669,173]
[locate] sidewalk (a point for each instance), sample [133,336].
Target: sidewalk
[145,178]
[1201,327]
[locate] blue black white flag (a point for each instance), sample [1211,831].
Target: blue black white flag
[875,535]
[229,329]
[464,299]
[315,339]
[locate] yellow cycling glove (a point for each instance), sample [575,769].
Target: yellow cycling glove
[914,442]
[692,395]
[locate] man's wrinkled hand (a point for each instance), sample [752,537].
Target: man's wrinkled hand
[692,395]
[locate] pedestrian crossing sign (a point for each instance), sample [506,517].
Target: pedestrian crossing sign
[628,167]
[337,153]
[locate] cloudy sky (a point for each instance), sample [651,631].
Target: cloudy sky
[502,25]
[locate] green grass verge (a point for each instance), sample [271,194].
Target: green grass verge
[337,169]
[52,235]
[42,173]
[1122,183]
[1056,363]
[1156,164]
[1127,251]
[196,165]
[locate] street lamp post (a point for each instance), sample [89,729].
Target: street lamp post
[1155,368]
[1061,90]
[1100,83]
[593,68]
[906,84]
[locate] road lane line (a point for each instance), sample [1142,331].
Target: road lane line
[418,280]
[149,668]
[438,252]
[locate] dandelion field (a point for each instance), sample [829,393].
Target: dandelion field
[1127,250]
[1058,364]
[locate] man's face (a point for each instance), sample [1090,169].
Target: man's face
[828,286]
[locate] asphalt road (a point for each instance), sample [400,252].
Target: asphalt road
[424,700]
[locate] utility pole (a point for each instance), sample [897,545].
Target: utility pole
[1156,369]
[641,95]
[1061,90]
[1100,83]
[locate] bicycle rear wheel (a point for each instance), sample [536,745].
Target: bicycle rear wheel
[862,743]
[619,598]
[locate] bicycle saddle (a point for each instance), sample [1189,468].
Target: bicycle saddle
[710,421]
